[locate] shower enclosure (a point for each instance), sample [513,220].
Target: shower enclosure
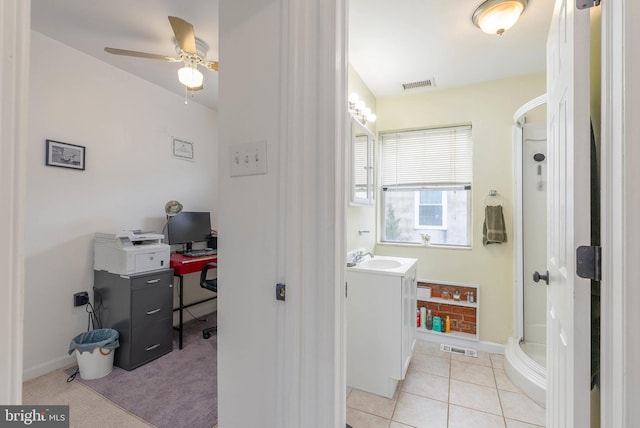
[525,353]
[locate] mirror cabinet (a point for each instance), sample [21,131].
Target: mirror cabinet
[362,164]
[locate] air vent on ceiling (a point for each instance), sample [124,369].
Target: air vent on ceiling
[429,83]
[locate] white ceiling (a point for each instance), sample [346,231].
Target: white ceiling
[390,41]
[138,25]
[400,41]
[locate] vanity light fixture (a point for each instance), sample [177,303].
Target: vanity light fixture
[497,16]
[359,109]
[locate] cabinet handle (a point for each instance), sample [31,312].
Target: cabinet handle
[152,347]
[155,311]
[153,281]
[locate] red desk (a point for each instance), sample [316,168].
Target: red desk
[182,266]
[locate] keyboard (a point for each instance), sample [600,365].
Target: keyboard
[200,253]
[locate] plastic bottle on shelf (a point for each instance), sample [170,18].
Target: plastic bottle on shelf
[429,320]
[437,323]
[423,317]
[417,317]
[447,325]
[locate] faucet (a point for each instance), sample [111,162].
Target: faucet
[357,258]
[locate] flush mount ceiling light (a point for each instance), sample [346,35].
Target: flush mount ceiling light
[497,16]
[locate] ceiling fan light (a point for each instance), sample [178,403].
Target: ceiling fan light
[190,76]
[497,16]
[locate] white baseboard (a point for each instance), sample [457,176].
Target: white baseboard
[491,347]
[48,367]
[199,311]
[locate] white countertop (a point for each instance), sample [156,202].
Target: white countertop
[405,264]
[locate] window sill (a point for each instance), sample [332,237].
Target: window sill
[417,246]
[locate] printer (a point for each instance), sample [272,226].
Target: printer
[130,251]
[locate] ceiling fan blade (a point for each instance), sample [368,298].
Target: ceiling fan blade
[125,52]
[184,34]
[195,88]
[211,65]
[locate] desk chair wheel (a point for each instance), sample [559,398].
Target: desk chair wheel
[207,332]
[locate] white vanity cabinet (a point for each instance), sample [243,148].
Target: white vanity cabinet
[381,326]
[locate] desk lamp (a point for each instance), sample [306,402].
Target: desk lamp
[171,208]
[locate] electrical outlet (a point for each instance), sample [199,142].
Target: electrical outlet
[81,298]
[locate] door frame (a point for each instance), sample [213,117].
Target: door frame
[15,18]
[312,329]
[620,293]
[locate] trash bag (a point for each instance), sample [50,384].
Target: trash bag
[106,338]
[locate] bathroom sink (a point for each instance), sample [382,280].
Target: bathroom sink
[385,265]
[380,264]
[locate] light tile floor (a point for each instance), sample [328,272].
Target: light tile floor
[440,390]
[444,390]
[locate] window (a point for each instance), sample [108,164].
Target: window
[431,209]
[426,185]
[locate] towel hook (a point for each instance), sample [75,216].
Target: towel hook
[493,194]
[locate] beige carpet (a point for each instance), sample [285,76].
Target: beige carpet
[87,408]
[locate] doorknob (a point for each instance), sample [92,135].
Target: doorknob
[537,277]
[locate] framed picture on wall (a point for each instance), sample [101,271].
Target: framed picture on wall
[182,149]
[65,155]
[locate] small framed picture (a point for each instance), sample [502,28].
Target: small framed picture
[65,155]
[182,149]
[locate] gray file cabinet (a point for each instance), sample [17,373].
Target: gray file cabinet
[140,308]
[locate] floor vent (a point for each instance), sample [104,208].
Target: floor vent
[456,350]
[429,83]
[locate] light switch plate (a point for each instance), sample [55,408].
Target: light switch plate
[248,158]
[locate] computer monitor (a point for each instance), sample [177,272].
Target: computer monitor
[189,227]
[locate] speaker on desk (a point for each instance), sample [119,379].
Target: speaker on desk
[212,242]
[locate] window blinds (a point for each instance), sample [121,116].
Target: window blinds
[438,156]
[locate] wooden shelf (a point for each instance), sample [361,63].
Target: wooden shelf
[465,316]
[455,334]
[452,302]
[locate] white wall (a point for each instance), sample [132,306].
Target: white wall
[489,107]
[127,126]
[247,336]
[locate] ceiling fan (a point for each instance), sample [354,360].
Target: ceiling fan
[190,49]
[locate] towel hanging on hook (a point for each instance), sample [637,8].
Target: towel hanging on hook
[493,194]
[493,229]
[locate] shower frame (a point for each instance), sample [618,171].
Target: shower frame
[523,371]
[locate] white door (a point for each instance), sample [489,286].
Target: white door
[568,297]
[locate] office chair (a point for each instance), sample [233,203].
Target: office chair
[209,284]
